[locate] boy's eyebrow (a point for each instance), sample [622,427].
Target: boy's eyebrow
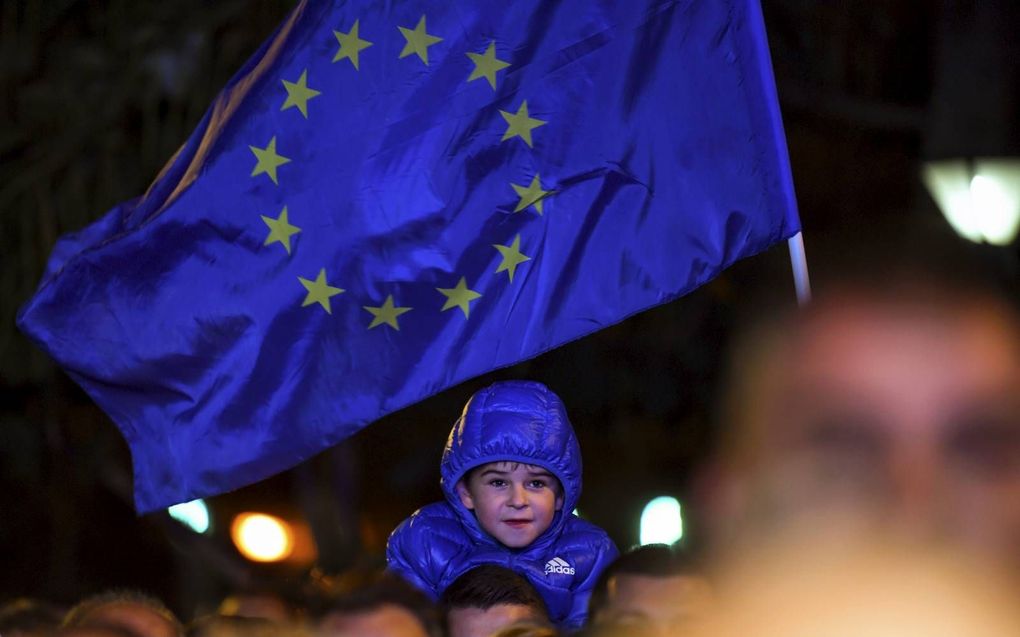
[541,473]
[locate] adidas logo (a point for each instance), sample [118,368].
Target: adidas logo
[558,565]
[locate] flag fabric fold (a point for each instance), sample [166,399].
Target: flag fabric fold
[391,198]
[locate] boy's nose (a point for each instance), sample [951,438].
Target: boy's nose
[518,498]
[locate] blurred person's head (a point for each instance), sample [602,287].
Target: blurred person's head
[847,588]
[93,631]
[488,598]
[28,618]
[388,607]
[239,626]
[891,403]
[257,604]
[128,610]
[652,589]
[526,629]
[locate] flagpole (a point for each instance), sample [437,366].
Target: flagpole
[798,261]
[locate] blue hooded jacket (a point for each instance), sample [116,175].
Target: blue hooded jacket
[518,421]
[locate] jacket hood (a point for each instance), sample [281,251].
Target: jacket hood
[518,421]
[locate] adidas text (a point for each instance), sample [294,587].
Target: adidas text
[558,565]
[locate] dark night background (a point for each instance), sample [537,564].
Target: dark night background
[96,96]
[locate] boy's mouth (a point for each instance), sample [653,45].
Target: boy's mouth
[517,523]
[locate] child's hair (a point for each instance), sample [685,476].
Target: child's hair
[557,487]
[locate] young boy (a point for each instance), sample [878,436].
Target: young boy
[511,473]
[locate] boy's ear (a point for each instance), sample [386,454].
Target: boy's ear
[465,495]
[559,502]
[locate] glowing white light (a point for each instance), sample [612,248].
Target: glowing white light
[194,515]
[980,199]
[998,213]
[661,522]
[261,537]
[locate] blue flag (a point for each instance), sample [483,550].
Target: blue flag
[391,198]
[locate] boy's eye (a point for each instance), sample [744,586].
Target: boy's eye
[537,484]
[497,482]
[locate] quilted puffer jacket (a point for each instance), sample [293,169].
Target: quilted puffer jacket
[517,421]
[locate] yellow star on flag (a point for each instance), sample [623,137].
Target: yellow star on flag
[519,124]
[512,257]
[531,195]
[460,296]
[280,230]
[487,65]
[268,160]
[386,313]
[350,45]
[418,41]
[298,94]
[319,291]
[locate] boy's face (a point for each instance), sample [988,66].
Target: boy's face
[513,502]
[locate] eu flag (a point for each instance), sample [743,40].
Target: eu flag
[392,197]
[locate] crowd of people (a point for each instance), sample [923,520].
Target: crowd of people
[869,483]
[652,590]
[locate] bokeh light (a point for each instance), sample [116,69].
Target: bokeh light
[194,515]
[661,522]
[261,537]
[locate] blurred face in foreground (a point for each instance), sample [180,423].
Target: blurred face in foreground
[851,589]
[898,416]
